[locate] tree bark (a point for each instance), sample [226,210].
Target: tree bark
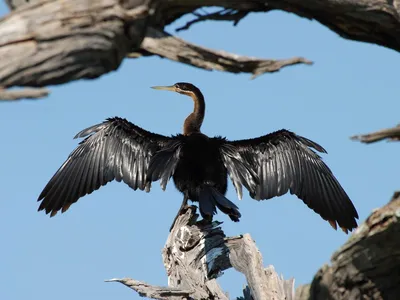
[367,266]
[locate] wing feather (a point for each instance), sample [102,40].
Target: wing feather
[284,161]
[115,149]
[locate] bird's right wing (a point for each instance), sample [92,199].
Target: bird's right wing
[115,149]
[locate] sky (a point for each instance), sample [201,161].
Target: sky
[116,232]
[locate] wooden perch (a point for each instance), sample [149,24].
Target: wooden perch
[195,254]
[392,134]
[367,266]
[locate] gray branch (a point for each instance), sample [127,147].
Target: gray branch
[372,21]
[153,292]
[12,95]
[195,254]
[50,42]
[168,46]
[392,134]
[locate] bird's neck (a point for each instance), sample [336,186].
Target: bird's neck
[194,121]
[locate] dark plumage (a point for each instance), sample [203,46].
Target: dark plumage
[266,166]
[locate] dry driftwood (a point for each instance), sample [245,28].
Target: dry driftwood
[367,266]
[392,134]
[195,254]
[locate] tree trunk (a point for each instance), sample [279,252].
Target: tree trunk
[367,266]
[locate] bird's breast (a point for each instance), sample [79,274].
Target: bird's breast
[200,160]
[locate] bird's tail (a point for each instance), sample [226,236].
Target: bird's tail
[210,198]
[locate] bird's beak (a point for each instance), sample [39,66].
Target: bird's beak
[166,88]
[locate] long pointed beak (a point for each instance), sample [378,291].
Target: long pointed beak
[166,88]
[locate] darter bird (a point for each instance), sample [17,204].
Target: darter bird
[267,166]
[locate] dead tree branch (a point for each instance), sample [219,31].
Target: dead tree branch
[372,21]
[222,15]
[51,42]
[367,266]
[392,134]
[196,254]
[168,46]
[12,95]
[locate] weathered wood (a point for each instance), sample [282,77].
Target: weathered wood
[168,46]
[56,41]
[153,292]
[373,21]
[51,42]
[11,95]
[392,134]
[195,254]
[263,283]
[367,266]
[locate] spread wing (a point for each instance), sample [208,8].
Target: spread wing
[282,162]
[115,149]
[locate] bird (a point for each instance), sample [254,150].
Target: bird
[267,166]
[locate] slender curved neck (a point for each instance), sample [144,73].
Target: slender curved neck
[194,121]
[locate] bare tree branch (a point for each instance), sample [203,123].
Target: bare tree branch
[168,46]
[52,42]
[196,253]
[12,95]
[153,292]
[222,15]
[372,21]
[392,134]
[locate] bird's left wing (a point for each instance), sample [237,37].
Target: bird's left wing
[115,149]
[282,162]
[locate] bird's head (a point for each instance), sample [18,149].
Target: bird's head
[181,88]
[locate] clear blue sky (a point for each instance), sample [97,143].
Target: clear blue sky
[116,232]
